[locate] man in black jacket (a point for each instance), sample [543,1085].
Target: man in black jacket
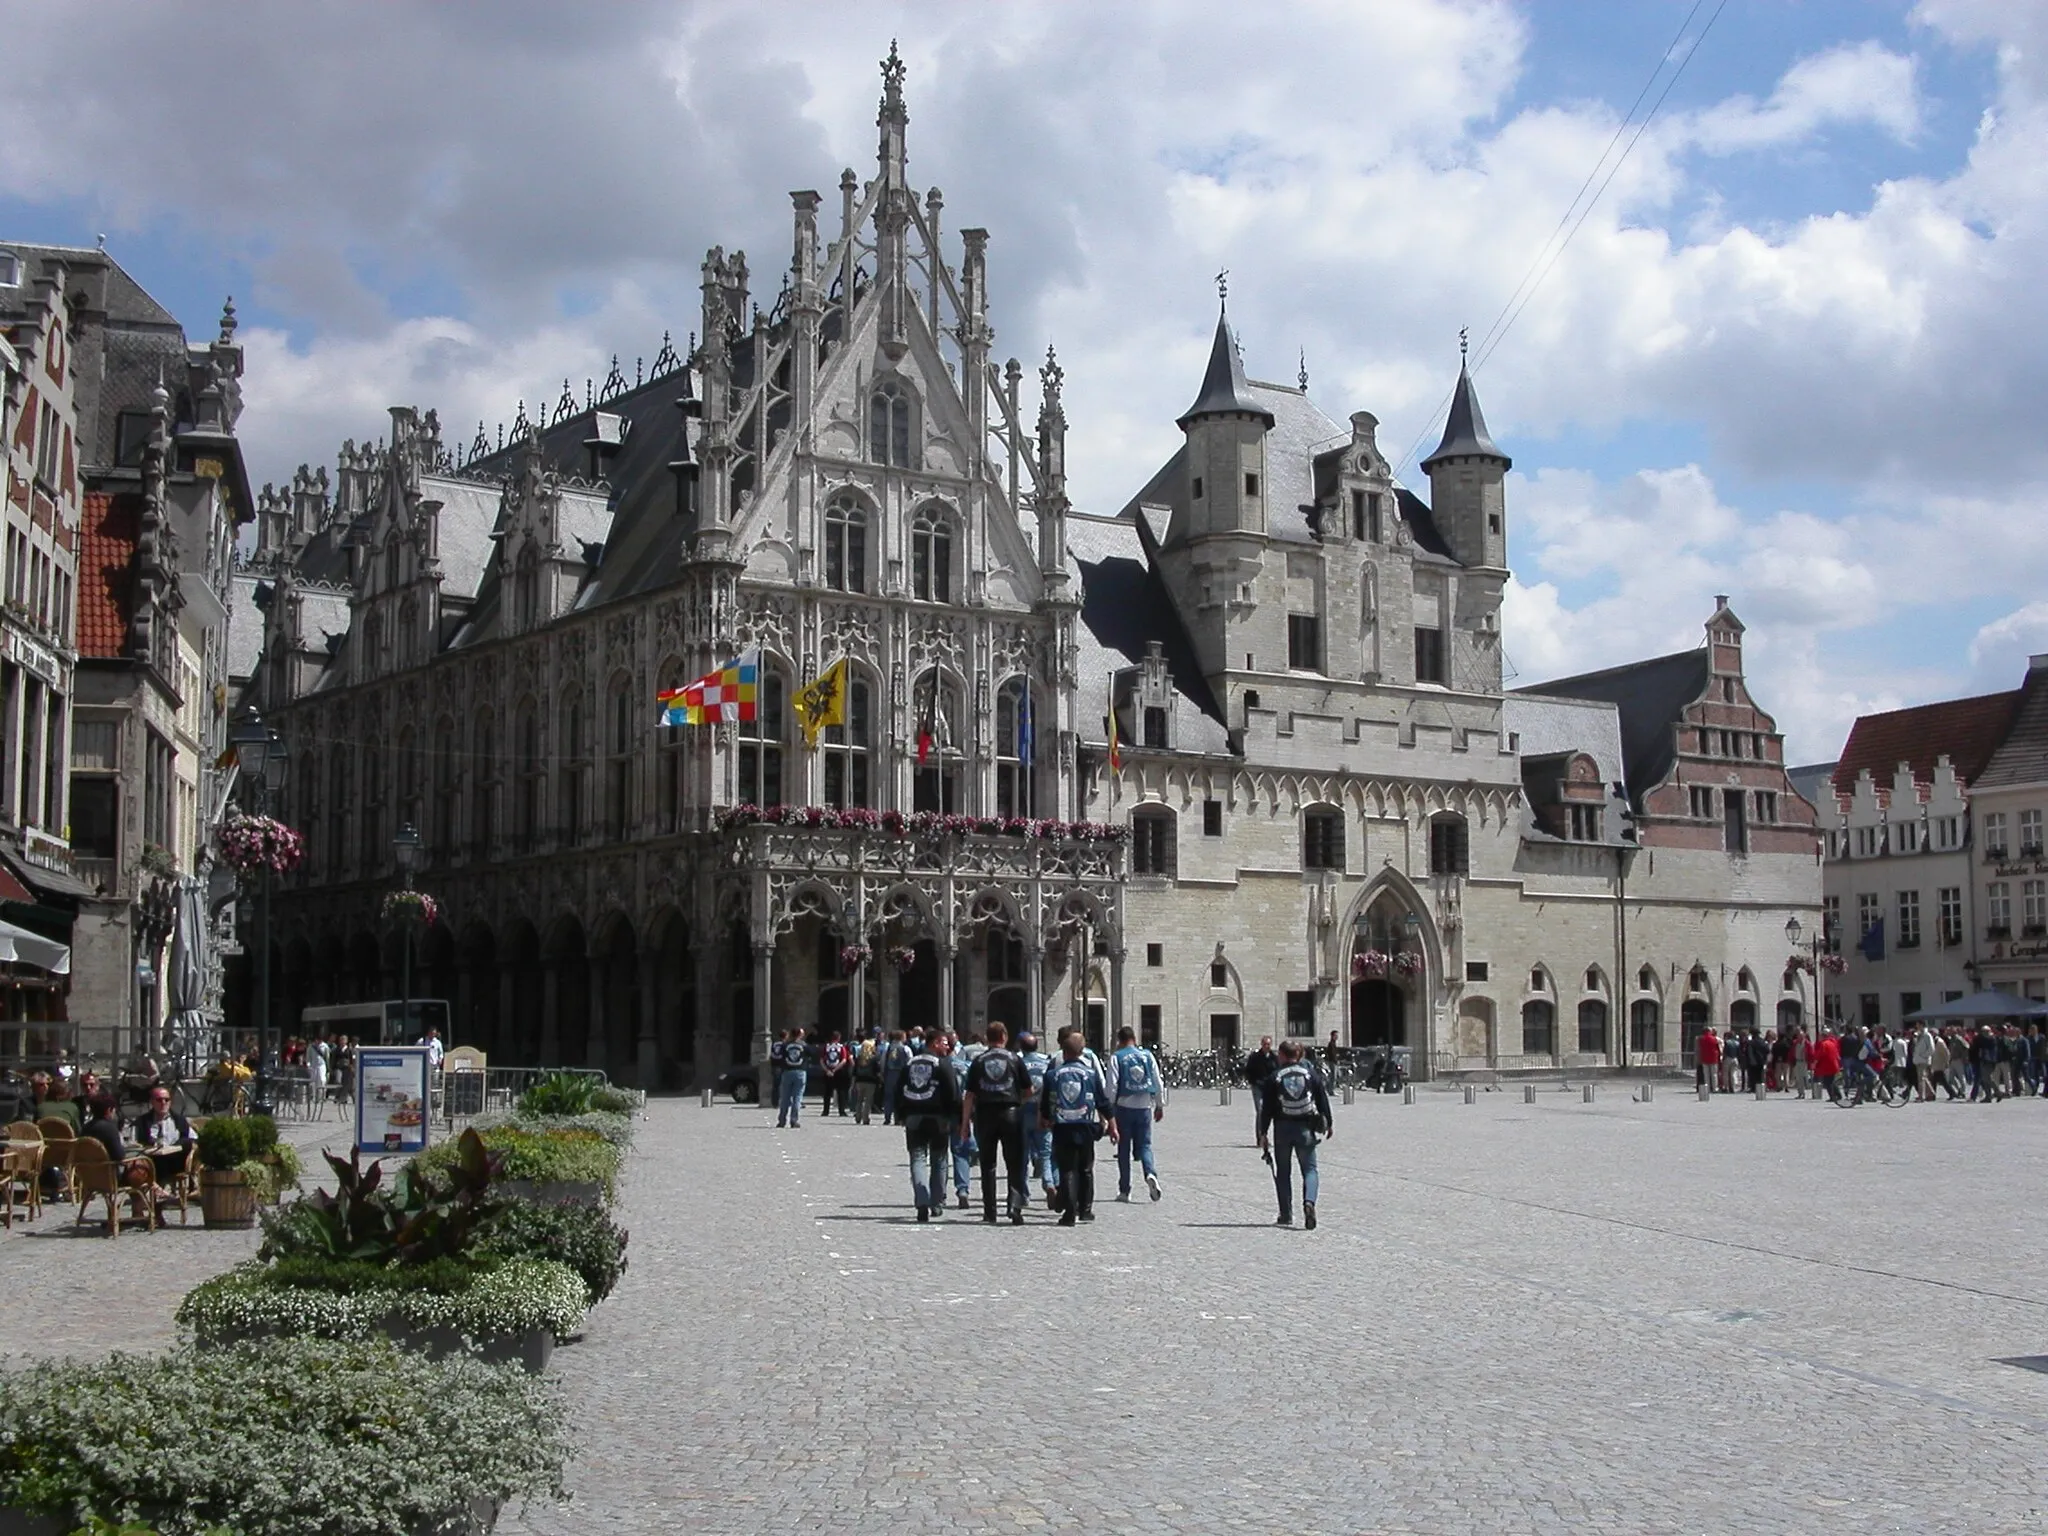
[928,1102]
[164,1134]
[1259,1067]
[991,1107]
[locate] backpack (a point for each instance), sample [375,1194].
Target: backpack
[1297,1092]
[1133,1072]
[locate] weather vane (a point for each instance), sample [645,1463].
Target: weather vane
[1303,374]
[1464,341]
[1223,285]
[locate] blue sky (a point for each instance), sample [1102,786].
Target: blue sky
[1796,353]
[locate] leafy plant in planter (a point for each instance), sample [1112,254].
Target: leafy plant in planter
[581,1236]
[537,1157]
[612,1101]
[278,1437]
[239,1165]
[560,1093]
[416,1220]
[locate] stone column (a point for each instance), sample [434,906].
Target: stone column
[1116,994]
[764,1015]
[946,1021]
[712,1049]
[596,972]
[550,1013]
[463,1026]
[1034,984]
[506,1035]
[649,1052]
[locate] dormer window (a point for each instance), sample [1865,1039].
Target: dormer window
[10,270]
[889,425]
[1365,515]
[1155,726]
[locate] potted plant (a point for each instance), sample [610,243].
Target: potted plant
[227,1194]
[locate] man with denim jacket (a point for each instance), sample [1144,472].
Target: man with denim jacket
[1140,1098]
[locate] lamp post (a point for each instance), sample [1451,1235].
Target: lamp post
[406,850]
[1793,932]
[1412,934]
[260,753]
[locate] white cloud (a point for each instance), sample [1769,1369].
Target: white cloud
[1856,83]
[1998,654]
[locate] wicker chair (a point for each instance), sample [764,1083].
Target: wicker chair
[24,1169]
[58,1140]
[96,1176]
[181,1188]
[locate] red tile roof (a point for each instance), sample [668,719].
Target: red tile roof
[1965,731]
[106,572]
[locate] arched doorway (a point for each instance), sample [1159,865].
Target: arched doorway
[568,963]
[520,1007]
[917,991]
[1379,1013]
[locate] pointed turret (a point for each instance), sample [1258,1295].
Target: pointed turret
[1224,392]
[1226,430]
[1467,476]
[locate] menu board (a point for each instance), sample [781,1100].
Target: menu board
[391,1098]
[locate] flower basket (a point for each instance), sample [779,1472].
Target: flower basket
[903,957]
[411,907]
[249,844]
[1408,963]
[852,957]
[1834,965]
[1370,964]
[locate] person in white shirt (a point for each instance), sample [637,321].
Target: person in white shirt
[435,1050]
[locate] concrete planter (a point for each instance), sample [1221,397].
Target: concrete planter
[552,1191]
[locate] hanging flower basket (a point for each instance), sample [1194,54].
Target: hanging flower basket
[1408,963]
[1369,964]
[249,844]
[852,957]
[903,957]
[1834,965]
[411,907]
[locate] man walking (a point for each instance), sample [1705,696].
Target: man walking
[1076,1105]
[867,1077]
[1140,1100]
[957,1060]
[1037,1131]
[927,1104]
[1259,1068]
[895,1057]
[789,1087]
[995,1089]
[1296,1108]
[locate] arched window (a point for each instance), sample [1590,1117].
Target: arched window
[763,740]
[404,643]
[889,436]
[849,748]
[340,796]
[1449,847]
[1696,980]
[1016,747]
[1646,980]
[373,644]
[309,799]
[409,809]
[935,702]
[1322,838]
[1539,1027]
[619,764]
[391,563]
[1154,848]
[575,750]
[444,831]
[1645,1027]
[526,812]
[846,544]
[1593,1026]
[370,825]
[526,591]
[1745,980]
[483,794]
[931,556]
[672,745]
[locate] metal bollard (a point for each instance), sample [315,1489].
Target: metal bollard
[1649,1092]
[1528,1093]
[705,1098]
[1408,1095]
[1350,1093]
[1759,1093]
[1705,1093]
[1587,1091]
[1471,1094]
[1223,1093]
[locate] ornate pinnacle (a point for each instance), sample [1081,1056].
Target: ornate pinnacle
[892,82]
[1052,376]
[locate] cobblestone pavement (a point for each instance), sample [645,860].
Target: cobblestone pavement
[65,1289]
[1665,1317]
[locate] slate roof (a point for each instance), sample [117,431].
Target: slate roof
[1465,427]
[106,572]
[1811,780]
[2022,756]
[1651,697]
[245,628]
[1224,392]
[1966,731]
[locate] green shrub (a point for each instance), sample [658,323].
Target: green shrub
[228,1141]
[419,1217]
[541,1156]
[441,1277]
[507,1300]
[280,1437]
[614,1128]
[613,1101]
[583,1237]
[560,1093]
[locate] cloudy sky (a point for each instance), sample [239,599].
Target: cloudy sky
[1796,352]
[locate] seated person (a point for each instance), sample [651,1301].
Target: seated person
[103,1125]
[164,1134]
[57,1103]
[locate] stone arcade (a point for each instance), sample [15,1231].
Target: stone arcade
[1329,815]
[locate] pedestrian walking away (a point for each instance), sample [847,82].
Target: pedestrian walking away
[1075,1103]
[895,1057]
[958,1060]
[1296,1109]
[1140,1103]
[789,1087]
[992,1104]
[1259,1068]
[1037,1131]
[928,1103]
[867,1078]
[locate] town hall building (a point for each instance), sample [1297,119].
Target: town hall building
[1233,759]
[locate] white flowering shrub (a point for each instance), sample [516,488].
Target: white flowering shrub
[279,1437]
[614,1128]
[505,1301]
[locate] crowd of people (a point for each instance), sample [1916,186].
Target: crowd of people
[151,1149]
[964,1102]
[1981,1063]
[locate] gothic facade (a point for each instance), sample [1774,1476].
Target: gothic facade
[1235,760]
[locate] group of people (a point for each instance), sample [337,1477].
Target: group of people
[151,1149]
[1982,1063]
[970,1101]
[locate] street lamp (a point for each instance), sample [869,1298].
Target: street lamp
[1793,933]
[1412,926]
[411,857]
[261,755]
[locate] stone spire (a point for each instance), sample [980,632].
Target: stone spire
[1224,391]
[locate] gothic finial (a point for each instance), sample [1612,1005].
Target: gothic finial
[892,80]
[1223,288]
[1464,343]
[227,319]
[639,376]
[1052,376]
[589,392]
[1302,376]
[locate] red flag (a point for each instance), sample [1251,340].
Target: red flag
[927,724]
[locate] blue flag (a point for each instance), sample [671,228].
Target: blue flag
[1872,945]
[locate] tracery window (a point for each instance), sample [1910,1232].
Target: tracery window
[1016,747]
[931,556]
[846,544]
[763,740]
[889,435]
[848,748]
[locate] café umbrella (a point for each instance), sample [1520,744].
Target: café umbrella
[1981,1005]
[20,947]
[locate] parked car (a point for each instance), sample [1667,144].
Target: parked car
[741,1084]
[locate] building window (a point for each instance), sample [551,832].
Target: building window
[526,590]
[1539,1027]
[1015,747]
[2030,834]
[619,770]
[575,752]
[1198,487]
[1585,823]
[1998,910]
[935,782]
[1909,919]
[848,748]
[1475,970]
[1866,842]
[1322,838]
[1950,899]
[1450,851]
[95,820]
[1766,806]
[1872,1014]
[1645,1027]
[1251,485]
[931,557]
[1994,834]
[1948,832]
[1696,980]
[846,544]
[1869,913]
[1155,955]
[1301,1014]
[446,830]
[1831,924]
[1148,1025]
[1429,655]
[889,425]
[48,445]
[1365,515]
[1905,837]
[1702,803]
[1593,1026]
[762,742]
[1219,976]
[2033,908]
[1152,842]
[1734,827]
[1538,982]
[1154,723]
[483,803]
[1212,818]
[1005,956]
[1304,642]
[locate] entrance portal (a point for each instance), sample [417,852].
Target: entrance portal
[1223,1032]
[1378,1013]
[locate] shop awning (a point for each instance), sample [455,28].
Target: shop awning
[20,947]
